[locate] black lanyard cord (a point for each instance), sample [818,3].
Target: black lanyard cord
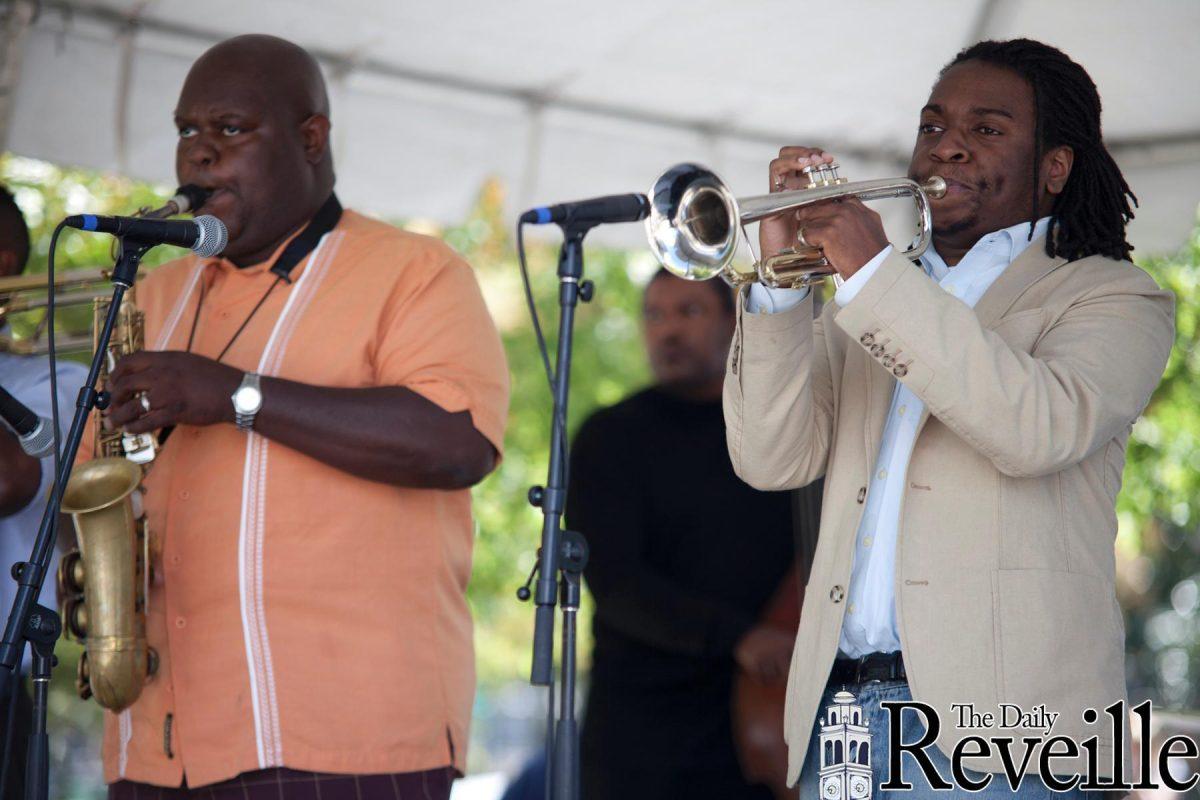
[242,327]
[326,218]
[324,221]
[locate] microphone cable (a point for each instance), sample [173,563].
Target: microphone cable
[551,378]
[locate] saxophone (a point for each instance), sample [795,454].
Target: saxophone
[103,583]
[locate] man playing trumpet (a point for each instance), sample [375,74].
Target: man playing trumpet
[970,415]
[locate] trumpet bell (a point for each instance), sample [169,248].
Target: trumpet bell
[694,222]
[692,226]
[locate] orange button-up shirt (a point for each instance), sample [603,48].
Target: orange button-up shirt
[304,617]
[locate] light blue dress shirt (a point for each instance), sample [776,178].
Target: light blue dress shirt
[27,378]
[869,625]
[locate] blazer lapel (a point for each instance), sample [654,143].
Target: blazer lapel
[1029,268]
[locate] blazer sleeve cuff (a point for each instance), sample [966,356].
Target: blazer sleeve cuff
[897,287]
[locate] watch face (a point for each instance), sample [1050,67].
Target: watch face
[247,399]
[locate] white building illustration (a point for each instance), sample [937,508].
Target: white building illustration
[845,772]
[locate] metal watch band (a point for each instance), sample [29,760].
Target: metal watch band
[245,420]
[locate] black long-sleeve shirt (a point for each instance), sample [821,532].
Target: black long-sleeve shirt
[683,557]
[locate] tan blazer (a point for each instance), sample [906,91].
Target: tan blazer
[1004,559]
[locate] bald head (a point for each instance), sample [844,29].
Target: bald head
[287,70]
[253,120]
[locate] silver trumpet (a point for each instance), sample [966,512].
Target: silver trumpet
[694,221]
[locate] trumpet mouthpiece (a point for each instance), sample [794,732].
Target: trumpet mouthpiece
[935,187]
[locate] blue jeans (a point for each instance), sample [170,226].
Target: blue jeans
[876,718]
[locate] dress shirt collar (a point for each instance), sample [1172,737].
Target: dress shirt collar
[1002,247]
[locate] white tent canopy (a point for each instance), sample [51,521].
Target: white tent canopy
[562,100]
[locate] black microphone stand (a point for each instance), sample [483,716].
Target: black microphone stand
[563,554]
[28,620]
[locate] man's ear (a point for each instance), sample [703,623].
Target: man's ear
[1056,168]
[8,263]
[314,132]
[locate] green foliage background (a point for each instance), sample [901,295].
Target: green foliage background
[1159,508]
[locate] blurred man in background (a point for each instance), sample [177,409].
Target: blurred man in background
[684,557]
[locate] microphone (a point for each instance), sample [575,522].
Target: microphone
[35,434]
[205,235]
[612,208]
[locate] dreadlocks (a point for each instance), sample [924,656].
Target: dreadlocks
[1090,214]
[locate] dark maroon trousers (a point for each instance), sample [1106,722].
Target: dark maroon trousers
[286,784]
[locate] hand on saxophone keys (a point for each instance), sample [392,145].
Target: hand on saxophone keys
[151,390]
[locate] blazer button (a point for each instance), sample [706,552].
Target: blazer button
[867,339]
[836,594]
[900,371]
[876,350]
[862,494]
[889,361]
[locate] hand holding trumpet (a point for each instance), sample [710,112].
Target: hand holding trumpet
[849,233]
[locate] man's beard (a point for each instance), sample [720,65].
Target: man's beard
[955,228]
[971,219]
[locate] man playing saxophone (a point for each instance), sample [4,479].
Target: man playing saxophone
[970,415]
[327,391]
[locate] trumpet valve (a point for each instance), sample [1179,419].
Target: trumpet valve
[822,175]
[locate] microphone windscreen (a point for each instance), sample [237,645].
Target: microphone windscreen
[213,236]
[39,443]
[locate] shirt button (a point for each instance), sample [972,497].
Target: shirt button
[180,622]
[850,608]
[174,559]
[867,541]
[901,410]
[224,315]
[185,494]
[882,474]
[836,594]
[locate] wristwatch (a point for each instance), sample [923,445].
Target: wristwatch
[247,400]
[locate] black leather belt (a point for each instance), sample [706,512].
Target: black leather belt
[871,667]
